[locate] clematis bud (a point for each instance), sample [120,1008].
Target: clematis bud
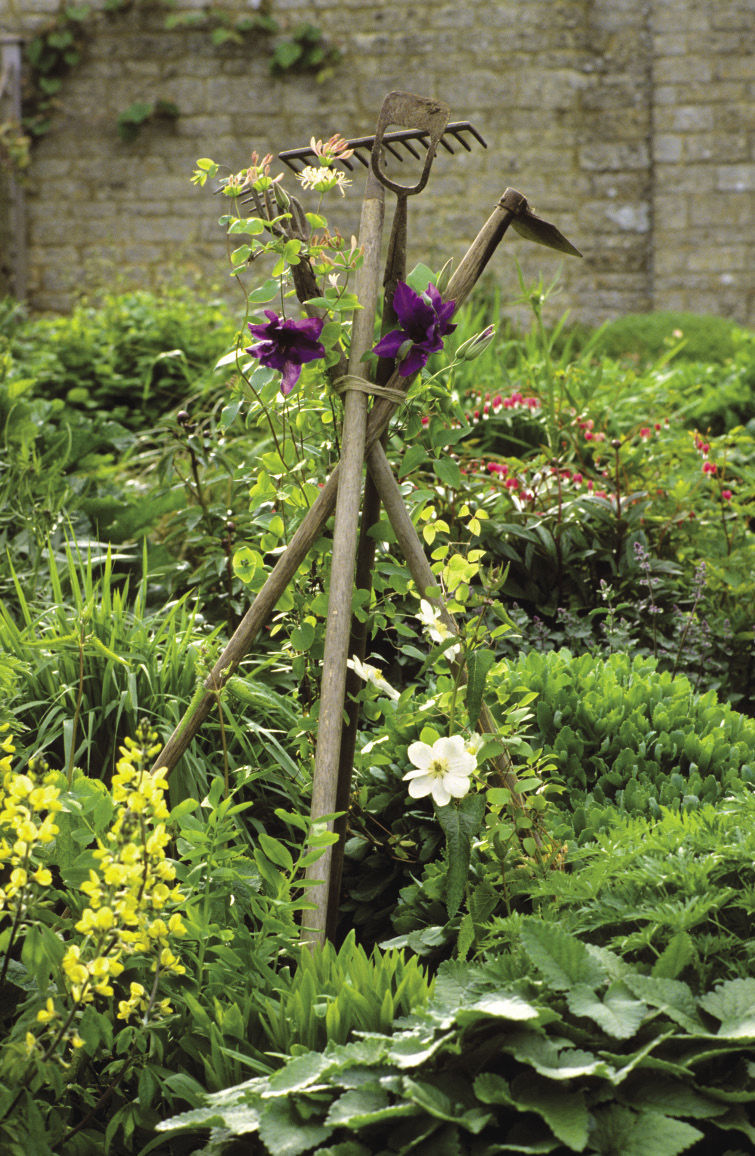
[441,281]
[474,346]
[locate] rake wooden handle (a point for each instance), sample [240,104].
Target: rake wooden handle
[459,288]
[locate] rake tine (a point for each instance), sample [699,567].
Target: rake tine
[394,152]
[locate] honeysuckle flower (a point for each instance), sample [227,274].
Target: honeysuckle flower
[442,770]
[727,495]
[424,320]
[336,148]
[437,629]
[374,676]
[286,345]
[323,179]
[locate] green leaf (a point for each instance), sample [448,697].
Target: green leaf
[276,852]
[460,824]
[479,663]
[617,1013]
[733,1003]
[679,951]
[420,277]
[284,1131]
[561,958]
[503,1006]
[545,1057]
[565,1112]
[670,996]
[298,1073]
[364,1106]
[415,456]
[619,1129]
[448,471]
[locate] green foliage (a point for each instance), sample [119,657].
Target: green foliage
[131,121]
[587,1054]
[90,1063]
[675,893]
[304,50]
[333,993]
[645,336]
[94,659]
[625,735]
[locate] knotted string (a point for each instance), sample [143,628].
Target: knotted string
[354,381]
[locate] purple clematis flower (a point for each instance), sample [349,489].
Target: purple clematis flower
[286,345]
[424,319]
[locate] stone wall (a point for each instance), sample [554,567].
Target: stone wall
[625,122]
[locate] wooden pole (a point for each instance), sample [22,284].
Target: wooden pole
[460,285]
[341,585]
[424,579]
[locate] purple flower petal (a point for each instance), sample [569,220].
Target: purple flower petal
[424,319]
[286,345]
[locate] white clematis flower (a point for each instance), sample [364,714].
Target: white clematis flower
[374,676]
[437,629]
[442,770]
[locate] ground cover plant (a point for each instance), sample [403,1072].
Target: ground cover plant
[562,963]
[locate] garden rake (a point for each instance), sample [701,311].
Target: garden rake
[361,438]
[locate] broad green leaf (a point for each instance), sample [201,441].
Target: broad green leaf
[364,1106]
[733,1003]
[679,951]
[460,824]
[448,472]
[619,1129]
[616,1013]
[420,277]
[497,1005]
[561,958]
[564,1111]
[670,996]
[547,1059]
[674,1098]
[437,1103]
[276,852]
[478,664]
[300,1072]
[284,1131]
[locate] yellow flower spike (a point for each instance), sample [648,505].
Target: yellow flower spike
[31,1042]
[47,1013]
[104,919]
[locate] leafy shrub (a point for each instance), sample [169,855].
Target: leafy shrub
[333,993]
[137,947]
[132,355]
[675,893]
[588,1055]
[627,736]
[646,336]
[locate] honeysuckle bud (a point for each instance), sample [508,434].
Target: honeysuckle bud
[474,346]
[281,197]
[441,281]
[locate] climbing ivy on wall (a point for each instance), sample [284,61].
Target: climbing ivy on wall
[58,47]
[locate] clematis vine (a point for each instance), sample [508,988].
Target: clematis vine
[442,770]
[424,320]
[374,676]
[286,345]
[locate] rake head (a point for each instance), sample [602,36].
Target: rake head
[403,142]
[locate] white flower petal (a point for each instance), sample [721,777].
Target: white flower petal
[420,754]
[418,788]
[439,793]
